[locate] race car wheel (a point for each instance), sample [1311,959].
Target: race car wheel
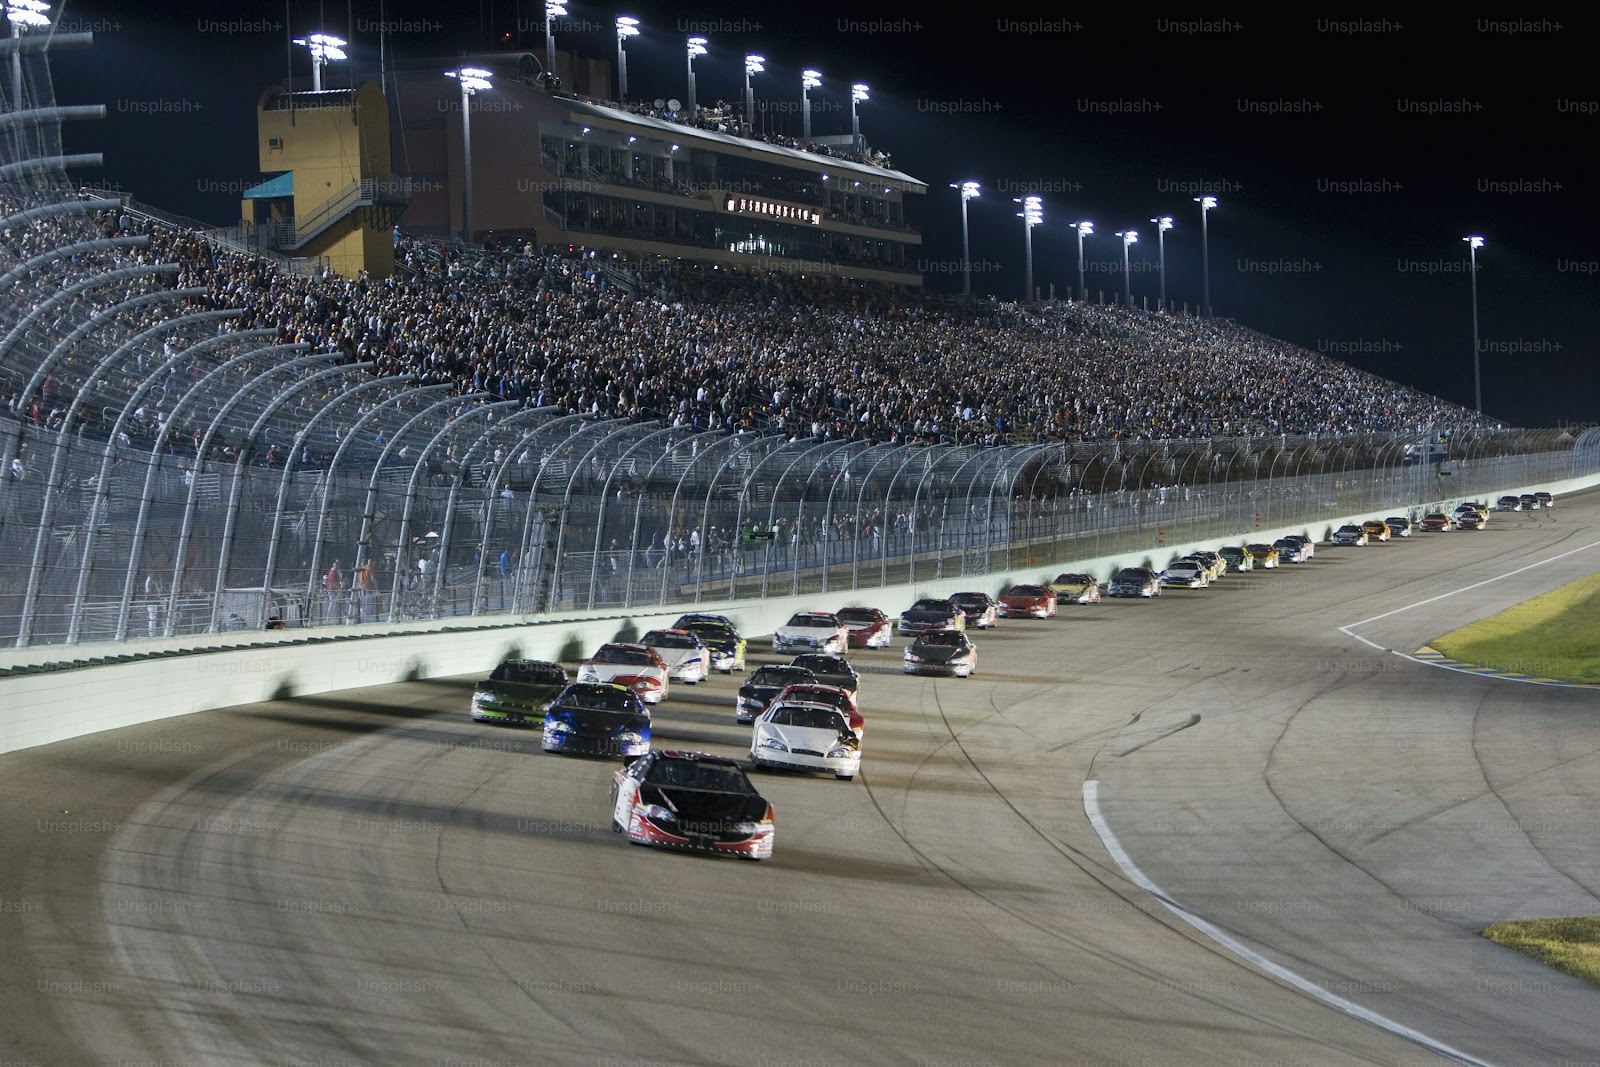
[844,777]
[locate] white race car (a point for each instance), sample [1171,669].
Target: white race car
[686,656]
[812,631]
[806,737]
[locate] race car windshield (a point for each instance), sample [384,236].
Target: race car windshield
[1074,579]
[662,639]
[808,718]
[932,605]
[632,657]
[596,698]
[1026,590]
[976,600]
[821,622]
[943,640]
[823,664]
[529,674]
[693,774]
[857,615]
[780,676]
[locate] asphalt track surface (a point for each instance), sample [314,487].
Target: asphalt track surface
[370,878]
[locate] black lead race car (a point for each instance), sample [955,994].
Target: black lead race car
[693,801]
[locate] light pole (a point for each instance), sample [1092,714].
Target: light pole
[553,9]
[473,80]
[1084,228]
[23,13]
[1163,224]
[1129,237]
[1206,204]
[858,93]
[697,47]
[1032,214]
[969,191]
[1473,244]
[323,48]
[627,26]
[753,64]
[809,80]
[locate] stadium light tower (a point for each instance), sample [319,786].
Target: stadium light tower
[553,9]
[809,80]
[1206,204]
[1084,228]
[969,191]
[1032,214]
[1129,237]
[753,64]
[1163,224]
[627,26]
[473,80]
[1473,244]
[323,49]
[697,47]
[858,93]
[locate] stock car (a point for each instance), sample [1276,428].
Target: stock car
[812,631]
[694,801]
[1265,556]
[631,665]
[1306,543]
[806,737]
[722,640]
[763,687]
[868,627]
[932,613]
[942,652]
[1211,568]
[1399,525]
[979,608]
[1436,522]
[1377,530]
[597,719]
[1135,581]
[1471,520]
[1027,601]
[1073,588]
[1545,499]
[1290,550]
[517,691]
[1509,503]
[831,695]
[830,670]
[1349,535]
[1187,573]
[1529,502]
[686,656]
[1238,559]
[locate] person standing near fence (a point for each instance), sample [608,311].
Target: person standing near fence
[332,584]
[367,586]
[151,594]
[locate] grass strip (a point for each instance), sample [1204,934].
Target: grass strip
[1571,946]
[1556,635]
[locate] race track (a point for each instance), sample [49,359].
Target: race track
[371,878]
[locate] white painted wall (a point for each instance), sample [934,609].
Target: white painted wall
[38,708]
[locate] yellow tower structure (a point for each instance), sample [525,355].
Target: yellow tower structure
[332,199]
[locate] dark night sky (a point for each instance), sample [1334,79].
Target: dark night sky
[1349,160]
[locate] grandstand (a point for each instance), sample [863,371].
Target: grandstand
[197,439]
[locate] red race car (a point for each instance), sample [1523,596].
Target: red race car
[1028,601]
[869,627]
[693,801]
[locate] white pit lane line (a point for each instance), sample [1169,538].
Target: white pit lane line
[1349,628]
[1091,808]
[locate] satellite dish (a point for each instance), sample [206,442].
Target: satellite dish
[673,105]
[660,103]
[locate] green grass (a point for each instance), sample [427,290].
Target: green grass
[1556,635]
[1571,946]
